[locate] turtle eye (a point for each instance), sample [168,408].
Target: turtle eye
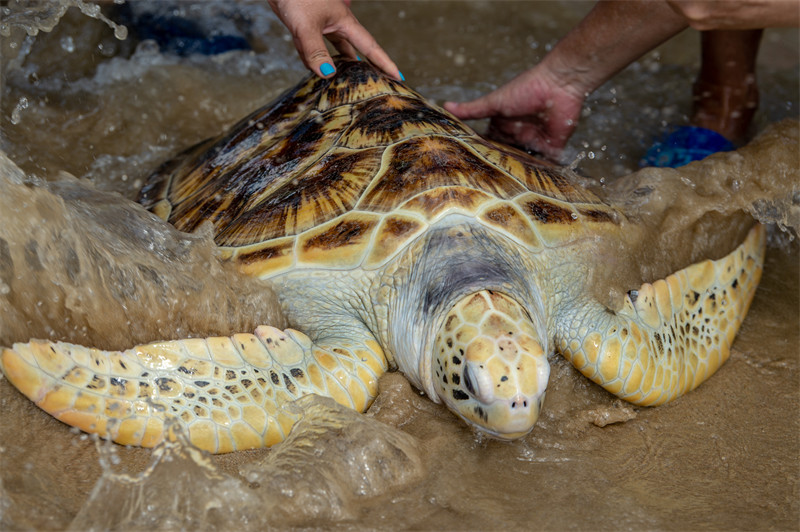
[469,378]
[478,383]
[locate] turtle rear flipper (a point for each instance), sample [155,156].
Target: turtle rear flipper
[670,335]
[228,393]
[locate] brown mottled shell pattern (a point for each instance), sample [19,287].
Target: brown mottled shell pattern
[347,171]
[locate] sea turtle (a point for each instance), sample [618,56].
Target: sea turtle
[396,238]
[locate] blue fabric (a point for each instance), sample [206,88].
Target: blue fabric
[684,145]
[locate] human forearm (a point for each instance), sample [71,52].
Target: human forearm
[739,15]
[614,34]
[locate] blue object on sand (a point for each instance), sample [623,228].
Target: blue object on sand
[684,145]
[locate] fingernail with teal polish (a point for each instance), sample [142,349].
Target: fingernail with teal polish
[358,58]
[326,69]
[402,77]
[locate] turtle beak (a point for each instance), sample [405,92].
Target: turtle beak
[515,418]
[508,415]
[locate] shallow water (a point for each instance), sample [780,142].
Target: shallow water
[723,457]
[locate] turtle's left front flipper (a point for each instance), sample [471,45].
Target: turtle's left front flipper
[228,393]
[670,335]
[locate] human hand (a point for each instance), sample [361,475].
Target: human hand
[737,15]
[309,20]
[532,111]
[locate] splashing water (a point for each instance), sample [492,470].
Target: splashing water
[44,15]
[333,458]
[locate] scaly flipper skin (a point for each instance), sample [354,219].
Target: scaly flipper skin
[228,392]
[671,335]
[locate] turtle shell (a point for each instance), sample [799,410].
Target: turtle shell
[346,171]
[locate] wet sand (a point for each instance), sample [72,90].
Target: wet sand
[725,456]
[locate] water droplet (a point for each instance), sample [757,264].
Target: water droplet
[147,47]
[68,44]
[15,114]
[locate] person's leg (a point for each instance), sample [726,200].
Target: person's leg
[725,93]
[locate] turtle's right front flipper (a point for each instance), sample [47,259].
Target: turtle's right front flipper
[670,335]
[228,392]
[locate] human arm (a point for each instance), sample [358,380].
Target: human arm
[740,15]
[310,20]
[539,109]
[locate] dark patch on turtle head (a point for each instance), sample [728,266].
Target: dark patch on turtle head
[463,259]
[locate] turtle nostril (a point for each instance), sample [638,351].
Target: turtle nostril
[519,402]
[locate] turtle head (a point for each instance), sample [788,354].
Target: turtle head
[489,366]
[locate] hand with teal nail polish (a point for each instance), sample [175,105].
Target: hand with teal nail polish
[326,69]
[310,20]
